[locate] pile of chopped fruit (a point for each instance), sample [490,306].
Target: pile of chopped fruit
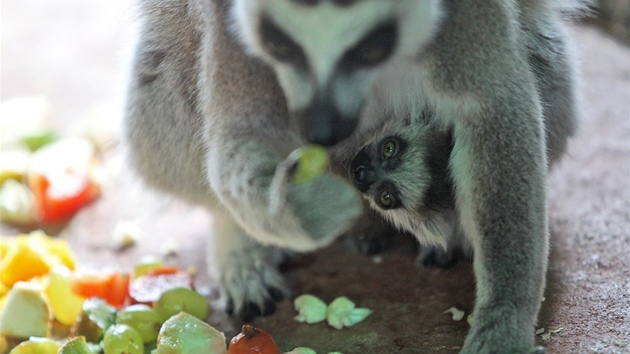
[44,301]
[47,306]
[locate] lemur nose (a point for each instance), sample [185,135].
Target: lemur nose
[323,124]
[361,171]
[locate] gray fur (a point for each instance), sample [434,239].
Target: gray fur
[209,121]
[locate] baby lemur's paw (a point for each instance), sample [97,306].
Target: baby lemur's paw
[436,256]
[251,288]
[370,234]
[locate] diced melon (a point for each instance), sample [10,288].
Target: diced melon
[57,250]
[16,203]
[22,262]
[184,333]
[25,313]
[3,289]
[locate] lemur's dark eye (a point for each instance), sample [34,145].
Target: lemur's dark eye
[388,197]
[375,47]
[387,200]
[278,44]
[390,147]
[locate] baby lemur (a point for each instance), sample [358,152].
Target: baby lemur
[223,90]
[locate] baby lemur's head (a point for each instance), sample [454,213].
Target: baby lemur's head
[403,173]
[327,53]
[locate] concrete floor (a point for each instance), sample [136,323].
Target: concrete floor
[76,59]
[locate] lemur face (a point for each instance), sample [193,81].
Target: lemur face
[404,175]
[326,53]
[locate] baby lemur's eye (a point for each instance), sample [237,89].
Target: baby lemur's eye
[390,147]
[388,198]
[278,44]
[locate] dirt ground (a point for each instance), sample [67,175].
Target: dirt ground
[76,58]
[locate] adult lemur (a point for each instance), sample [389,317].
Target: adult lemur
[223,90]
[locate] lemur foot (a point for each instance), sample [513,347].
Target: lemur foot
[251,290]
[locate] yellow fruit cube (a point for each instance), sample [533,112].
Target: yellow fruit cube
[22,262]
[65,304]
[57,250]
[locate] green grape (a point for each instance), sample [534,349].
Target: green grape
[96,317]
[122,339]
[141,318]
[176,300]
[76,345]
[312,161]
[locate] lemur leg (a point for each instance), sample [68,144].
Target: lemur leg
[247,272]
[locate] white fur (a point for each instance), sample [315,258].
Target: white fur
[342,29]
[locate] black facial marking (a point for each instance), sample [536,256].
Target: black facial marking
[279,45]
[374,48]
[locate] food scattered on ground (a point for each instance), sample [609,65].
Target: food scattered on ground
[457,313]
[540,330]
[147,288]
[302,350]
[343,313]
[253,340]
[61,178]
[49,185]
[29,256]
[310,309]
[177,300]
[44,179]
[339,314]
[470,319]
[184,333]
[121,338]
[112,287]
[143,319]
[37,345]
[170,248]
[25,313]
[65,304]
[95,318]
[547,336]
[16,203]
[125,234]
[77,345]
[42,295]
